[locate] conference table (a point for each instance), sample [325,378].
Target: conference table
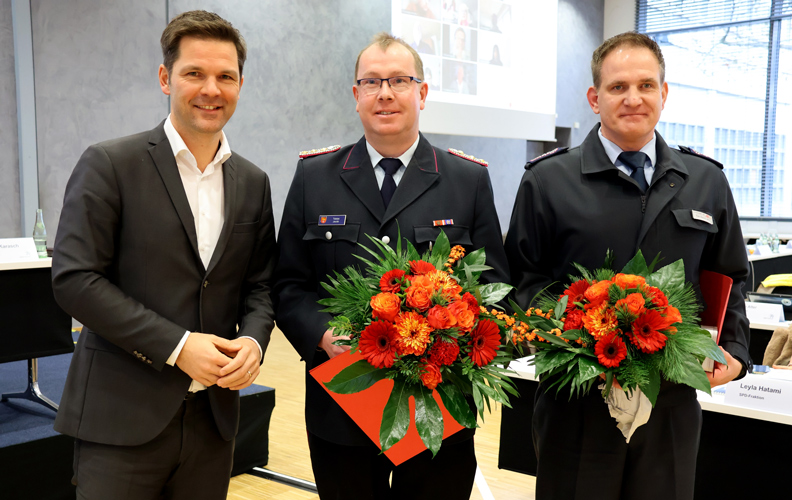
[743,452]
[32,325]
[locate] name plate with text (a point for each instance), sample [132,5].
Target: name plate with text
[17,250]
[762,393]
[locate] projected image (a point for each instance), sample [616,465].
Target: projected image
[459,77]
[432,71]
[461,12]
[495,16]
[422,34]
[460,43]
[494,49]
[429,9]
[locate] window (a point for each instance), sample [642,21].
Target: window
[729,72]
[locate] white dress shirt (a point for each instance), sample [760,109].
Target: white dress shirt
[405,159]
[205,195]
[650,149]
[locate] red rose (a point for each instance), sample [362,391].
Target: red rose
[472,303]
[574,320]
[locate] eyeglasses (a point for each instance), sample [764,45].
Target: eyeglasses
[397,84]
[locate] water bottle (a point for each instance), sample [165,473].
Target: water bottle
[40,234]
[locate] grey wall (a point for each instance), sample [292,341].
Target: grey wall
[96,78]
[9,145]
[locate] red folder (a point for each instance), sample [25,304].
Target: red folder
[366,408]
[715,290]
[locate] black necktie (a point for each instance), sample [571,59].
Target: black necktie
[390,166]
[636,161]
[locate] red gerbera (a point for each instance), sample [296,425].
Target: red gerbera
[485,340]
[575,292]
[378,344]
[610,350]
[419,267]
[645,331]
[443,353]
[390,281]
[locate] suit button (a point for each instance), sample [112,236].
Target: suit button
[386,239]
[148,361]
[329,235]
[206,283]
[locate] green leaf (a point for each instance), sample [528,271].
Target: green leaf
[652,389]
[637,265]
[428,418]
[356,377]
[588,368]
[548,360]
[456,404]
[669,278]
[494,292]
[441,249]
[475,258]
[694,375]
[560,308]
[395,416]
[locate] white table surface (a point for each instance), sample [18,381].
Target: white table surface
[28,264]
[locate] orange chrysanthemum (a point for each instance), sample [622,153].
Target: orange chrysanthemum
[646,334]
[633,304]
[386,306]
[628,281]
[600,321]
[610,350]
[378,344]
[419,267]
[597,293]
[390,281]
[448,284]
[484,342]
[575,292]
[413,333]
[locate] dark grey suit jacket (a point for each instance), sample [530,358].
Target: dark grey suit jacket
[126,265]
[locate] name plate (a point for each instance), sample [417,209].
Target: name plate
[759,312]
[17,250]
[762,393]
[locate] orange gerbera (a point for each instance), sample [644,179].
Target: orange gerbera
[597,293]
[419,267]
[646,334]
[378,344]
[413,333]
[390,281]
[610,350]
[430,376]
[600,321]
[484,342]
[628,281]
[386,306]
[449,285]
[633,304]
[575,292]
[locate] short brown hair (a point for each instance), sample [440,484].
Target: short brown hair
[203,25]
[384,40]
[632,39]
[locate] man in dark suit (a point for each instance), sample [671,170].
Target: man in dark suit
[624,189]
[165,251]
[392,180]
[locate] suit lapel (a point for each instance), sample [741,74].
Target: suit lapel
[229,204]
[421,174]
[669,177]
[358,174]
[162,155]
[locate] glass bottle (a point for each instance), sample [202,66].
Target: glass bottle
[40,234]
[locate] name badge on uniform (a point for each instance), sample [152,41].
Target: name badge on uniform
[332,220]
[703,217]
[443,222]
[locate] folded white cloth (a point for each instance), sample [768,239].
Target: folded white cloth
[629,412]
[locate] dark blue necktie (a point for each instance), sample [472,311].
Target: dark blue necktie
[390,166]
[636,160]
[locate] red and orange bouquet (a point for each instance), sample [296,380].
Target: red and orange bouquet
[637,326]
[422,321]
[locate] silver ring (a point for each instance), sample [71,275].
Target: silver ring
[250,375]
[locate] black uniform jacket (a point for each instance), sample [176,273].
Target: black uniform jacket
[436,185]
[574,206]
[127,266]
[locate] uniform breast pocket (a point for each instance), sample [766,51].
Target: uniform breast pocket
[332,247]
[694,227]
[426,235]
[245,227]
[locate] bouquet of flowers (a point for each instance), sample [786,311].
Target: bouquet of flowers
[635,326]
[422,322]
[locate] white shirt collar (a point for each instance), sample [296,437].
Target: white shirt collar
[180,148]
[613,151]
[405,157]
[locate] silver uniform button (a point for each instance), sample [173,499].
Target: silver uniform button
[386,239]
[329,235]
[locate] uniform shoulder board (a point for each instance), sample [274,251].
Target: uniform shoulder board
[693,152]
[316,152]
[556,151]
[472,158]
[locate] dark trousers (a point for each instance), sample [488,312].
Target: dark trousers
[582,455]
[188,460]
[362,472]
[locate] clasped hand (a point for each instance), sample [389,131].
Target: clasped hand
[210,360]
